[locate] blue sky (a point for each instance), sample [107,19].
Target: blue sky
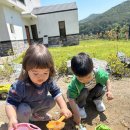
[87,7]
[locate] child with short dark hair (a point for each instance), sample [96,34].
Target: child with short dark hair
[28,97]
[87,83]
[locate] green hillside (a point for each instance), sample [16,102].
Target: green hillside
[119,14]
[91,17]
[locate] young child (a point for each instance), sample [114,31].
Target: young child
[28,97]
[87,83]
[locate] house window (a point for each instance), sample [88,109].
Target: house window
[34,32]
[22,1]
[12,28]
[62,30]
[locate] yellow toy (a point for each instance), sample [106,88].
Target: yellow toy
[56,125]
[4,88]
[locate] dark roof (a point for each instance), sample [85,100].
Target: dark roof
[55,8]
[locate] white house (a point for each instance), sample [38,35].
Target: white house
[25,21]
[58,22]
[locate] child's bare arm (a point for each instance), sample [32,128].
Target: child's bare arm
[11,113]
[108,85]
[109,93]
[75,111]
[64,109]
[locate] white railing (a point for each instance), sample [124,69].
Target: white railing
[20,4]
[17,3]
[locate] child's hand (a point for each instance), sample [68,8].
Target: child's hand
[66,112]
[12,124]
[77,119]
[109,95]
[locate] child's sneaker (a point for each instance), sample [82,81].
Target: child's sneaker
[82,112]
[37,117]
[99,105]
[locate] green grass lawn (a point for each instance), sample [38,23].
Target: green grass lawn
[96,48]
[100,49]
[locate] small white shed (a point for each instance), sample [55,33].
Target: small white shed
[59,22]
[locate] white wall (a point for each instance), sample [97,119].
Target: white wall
[71,22]
[30,4]
[13,17]
[4,36]
[48,23]
[36,3]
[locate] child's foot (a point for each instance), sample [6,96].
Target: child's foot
[37,117]
[99,105]
[82,112]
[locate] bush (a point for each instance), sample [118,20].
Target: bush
[6,70]
[19,59]
[61,64]
[117,68]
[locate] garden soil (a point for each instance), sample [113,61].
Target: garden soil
[116,116]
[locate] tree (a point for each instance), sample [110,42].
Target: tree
[125,30]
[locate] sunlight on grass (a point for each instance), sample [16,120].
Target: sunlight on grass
[96,48]
[100,49]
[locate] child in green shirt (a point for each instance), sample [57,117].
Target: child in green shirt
[87,83]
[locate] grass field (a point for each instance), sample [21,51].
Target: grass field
[96,48]
[100,49]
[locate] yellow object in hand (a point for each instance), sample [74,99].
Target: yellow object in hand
[56,125]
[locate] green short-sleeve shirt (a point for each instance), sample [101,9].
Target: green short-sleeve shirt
[75,86]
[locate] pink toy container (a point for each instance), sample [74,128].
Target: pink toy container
[26,126]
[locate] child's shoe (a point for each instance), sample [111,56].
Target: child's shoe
[37,117]
[82,112]
[99,105]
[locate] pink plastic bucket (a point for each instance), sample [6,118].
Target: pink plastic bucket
[26,126]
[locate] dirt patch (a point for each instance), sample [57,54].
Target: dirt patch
[116,116]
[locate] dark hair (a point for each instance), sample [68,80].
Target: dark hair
[81,64]
[37,56]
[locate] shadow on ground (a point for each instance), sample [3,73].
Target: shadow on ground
[92,113]
[69,123]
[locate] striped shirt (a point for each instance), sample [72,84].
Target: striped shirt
[91,84]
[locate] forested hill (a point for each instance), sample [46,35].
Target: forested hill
[91,17]
[118,15]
